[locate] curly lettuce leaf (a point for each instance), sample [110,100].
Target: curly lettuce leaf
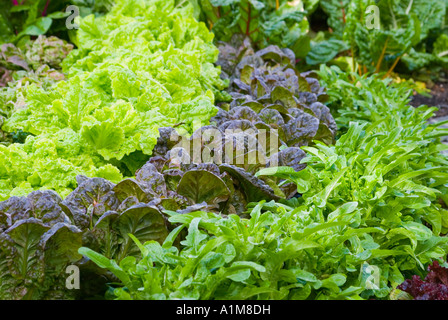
[142,66]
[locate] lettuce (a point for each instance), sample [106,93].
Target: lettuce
[433,287]
[145,65]
[37,243]
[40,235]
[39,63]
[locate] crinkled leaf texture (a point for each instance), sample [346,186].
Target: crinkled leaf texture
[268,93]
[37,243]
[433,287]
[211,171]
[144,65]
[107,221]
[40,235]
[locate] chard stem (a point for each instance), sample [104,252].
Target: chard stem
[380,60]
[392,67]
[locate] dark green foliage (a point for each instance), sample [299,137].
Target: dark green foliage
[411,32]
[262,21]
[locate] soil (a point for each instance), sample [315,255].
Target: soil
[439,98]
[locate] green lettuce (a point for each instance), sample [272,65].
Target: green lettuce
[38,63]
[144,65]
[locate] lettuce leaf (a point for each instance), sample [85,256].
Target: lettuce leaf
[142,66]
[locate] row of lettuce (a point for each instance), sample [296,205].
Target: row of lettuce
[88,175]
[373,201]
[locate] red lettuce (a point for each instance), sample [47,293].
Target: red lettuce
[433,287]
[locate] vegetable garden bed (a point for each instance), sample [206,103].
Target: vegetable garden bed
[212,150]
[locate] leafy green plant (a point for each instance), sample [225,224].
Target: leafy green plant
[324,51]
[419,59]
[399,32]
[38,63]
[139,98]
[336,11]
[391,191]
[369,201]
[407,32]
[280,252]
[21,20]
[363,99]
[103,120]
[388,161]
[274,22]
[381,102]
[270,103]
[264,257]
